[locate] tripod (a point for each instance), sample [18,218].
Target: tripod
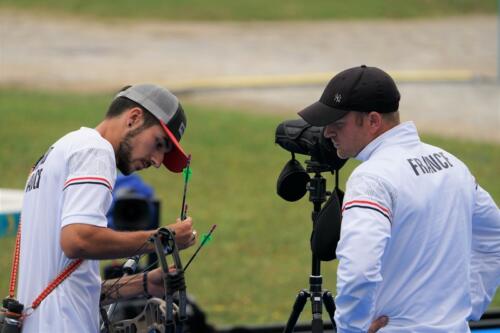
[318,297]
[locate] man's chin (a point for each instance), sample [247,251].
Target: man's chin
[341,154]
[125,170]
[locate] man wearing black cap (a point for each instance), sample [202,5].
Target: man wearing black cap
[68,195]
[420,239]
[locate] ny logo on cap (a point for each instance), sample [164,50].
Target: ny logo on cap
[337,98]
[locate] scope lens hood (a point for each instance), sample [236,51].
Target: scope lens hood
[292,181]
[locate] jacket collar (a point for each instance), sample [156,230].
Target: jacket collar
[404,133]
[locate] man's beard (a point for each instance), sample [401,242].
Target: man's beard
[124,153]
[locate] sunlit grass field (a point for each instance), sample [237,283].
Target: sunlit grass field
[251,10]
[259,257]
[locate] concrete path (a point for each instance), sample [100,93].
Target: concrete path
[64,53]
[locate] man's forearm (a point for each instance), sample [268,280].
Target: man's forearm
[91,242]
[125,288]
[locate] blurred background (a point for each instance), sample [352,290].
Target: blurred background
[240,68]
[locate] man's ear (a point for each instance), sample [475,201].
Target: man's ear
[134,118]
[374,122]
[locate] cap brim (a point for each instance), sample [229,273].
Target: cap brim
[319,114]
[176,159]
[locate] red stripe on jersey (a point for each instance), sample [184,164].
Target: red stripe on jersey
[368,203]
[94,179]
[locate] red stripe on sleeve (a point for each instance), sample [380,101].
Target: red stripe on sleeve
[104,180]
[365,202]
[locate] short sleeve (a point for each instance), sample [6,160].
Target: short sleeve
[87,188]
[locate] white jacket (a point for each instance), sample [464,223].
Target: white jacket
[420,240]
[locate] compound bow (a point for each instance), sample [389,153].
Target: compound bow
[158,315]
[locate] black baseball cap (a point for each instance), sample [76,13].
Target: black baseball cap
[361,89]
[162,104]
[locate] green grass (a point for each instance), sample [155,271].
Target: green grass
[259,257]
[229,10]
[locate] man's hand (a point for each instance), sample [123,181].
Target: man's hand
[155,281]
[185,235]
[378,324]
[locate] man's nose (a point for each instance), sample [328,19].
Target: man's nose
[157,159]
[328,132]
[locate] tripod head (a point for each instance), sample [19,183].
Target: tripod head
[317,184]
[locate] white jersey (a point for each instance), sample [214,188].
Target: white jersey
[71,183]
[420,240]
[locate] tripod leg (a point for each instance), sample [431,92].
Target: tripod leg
[298,306]
[329,305]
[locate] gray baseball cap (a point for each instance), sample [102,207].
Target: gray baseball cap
[166,108]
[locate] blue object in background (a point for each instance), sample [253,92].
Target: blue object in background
[9,223]
[11,202]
